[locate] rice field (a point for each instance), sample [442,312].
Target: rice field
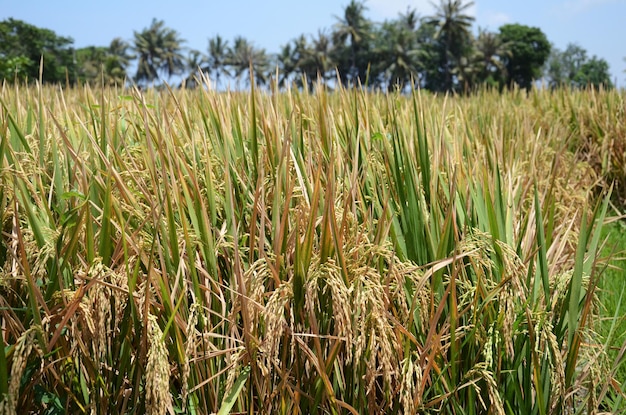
[310,252]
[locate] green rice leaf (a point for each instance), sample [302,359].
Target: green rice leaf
[232,395]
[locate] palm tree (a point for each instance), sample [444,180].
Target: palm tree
[159,51]
[489,54]
[194,63]
[147,46]
[398,54]
[321,55]
[312,59]
[431,74]
[261,66]
[354,29]
[467,72]
[453,31]
[244,55]
[173,59]
[409,19]
[90,63]
[302,56]
[287,62]
[106,65]
[217,60]
[117,61]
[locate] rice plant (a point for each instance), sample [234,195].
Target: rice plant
[299,252]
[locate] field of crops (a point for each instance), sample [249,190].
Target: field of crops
[310,252]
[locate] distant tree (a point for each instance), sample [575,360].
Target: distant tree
[467,73]
[287,62]
[312,59]
[243,56]
[101,65]
[159,51]
[409,19]
[194,62]
[14,68]
[149,54]
[594,72]
[321,56]
[490,53]
[453,30]
[529,49]
[22,47]
[571,67]
[555,69]
[302,60]
[562,66]
[217,59]
[90,64]
[117,61]
[397,53]
[351,36]
[432,51]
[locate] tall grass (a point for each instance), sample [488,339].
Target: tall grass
[613,309]
[296,252]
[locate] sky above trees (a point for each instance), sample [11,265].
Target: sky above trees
[595,25]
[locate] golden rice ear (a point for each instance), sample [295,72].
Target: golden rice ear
[24,346]
[158,395]
[327,251]
[191,346]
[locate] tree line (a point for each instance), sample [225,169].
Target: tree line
[438,52]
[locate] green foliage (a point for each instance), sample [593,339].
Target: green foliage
[15,67]
[23,46]
[594,72]
[438,53]
[612,293]
[243,56]
[308,252]
[563,66]
[352,39]
[572,68]
[397,53]
[217,58]
[529,50]
[158,50]
[117,62]
[454,36]
[90,61]
[490,53]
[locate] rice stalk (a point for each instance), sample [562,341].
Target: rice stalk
[304,252]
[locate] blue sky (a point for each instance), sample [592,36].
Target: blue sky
[596,25]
